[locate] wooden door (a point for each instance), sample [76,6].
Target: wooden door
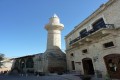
[112,62]
[88,66]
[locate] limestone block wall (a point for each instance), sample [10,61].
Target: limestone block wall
[55,59]
[38,63]
[108,13]
[112,12]
[94,49]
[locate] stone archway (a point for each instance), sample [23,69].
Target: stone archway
[112,62]
[30,63]
[88,66]
[22,64]
[16,65]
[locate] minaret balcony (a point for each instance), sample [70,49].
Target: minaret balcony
[54,26]
[96,33]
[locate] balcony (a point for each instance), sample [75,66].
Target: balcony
[76,39]
[101,31]
[95,33]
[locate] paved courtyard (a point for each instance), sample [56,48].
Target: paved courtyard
[50,77]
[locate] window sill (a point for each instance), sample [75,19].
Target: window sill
[85,53]
[109,47]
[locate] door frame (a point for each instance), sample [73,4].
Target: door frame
[112,60]
[83,62]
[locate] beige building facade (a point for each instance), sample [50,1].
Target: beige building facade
[6,65]
[93,46]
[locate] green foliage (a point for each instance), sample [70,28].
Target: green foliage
[1,58]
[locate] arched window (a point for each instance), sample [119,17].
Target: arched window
[71,54]
[22,63]
[16,63]
[29,63]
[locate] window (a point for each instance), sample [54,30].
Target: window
[29,63]
[109,44]
[72,54]
[22,63]
[83,33]
[84,51]
[99,24]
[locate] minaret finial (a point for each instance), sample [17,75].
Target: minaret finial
[55,15]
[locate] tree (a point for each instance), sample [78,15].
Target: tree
[1,58]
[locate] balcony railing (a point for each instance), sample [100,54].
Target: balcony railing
[106,26]
[76,39]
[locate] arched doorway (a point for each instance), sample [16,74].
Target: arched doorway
[16,65]
[29,63]
[88,66]
[15,69]
[112,62]
[22,64]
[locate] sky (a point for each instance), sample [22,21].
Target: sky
[22,22]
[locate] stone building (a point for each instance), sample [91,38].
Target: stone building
[24,63]
[93,46]
[6,65]
[52,60]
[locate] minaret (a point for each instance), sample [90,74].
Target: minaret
[54,58]
[54,28]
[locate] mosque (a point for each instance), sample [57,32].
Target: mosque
[92,47]
[52,60]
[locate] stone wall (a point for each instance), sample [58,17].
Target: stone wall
[110,12]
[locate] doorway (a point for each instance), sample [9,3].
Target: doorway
[112,62]
[73,65]
[88,66]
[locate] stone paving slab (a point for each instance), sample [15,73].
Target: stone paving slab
[54,77]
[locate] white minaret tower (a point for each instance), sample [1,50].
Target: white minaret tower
[53,56]
[54,28]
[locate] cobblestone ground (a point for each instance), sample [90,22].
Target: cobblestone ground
[51,77]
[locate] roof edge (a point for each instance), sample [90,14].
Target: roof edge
[96,12]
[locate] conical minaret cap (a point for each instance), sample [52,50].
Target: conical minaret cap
[55,16]
[54,19]
[54,23]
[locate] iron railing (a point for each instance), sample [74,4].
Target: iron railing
[106,26]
